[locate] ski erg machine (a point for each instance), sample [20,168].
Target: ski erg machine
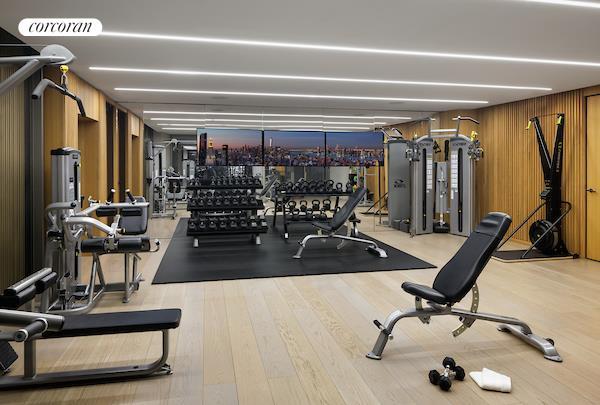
[545,234]
[419,186]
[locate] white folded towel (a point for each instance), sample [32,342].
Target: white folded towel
[490,380]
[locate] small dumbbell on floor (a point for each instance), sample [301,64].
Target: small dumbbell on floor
[451,371]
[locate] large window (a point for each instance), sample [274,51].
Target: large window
[234,147]
[289,148]
[354,148]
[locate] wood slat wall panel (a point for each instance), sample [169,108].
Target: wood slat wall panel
[509,177]
[12,182]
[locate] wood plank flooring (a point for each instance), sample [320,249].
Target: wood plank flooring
[302,340]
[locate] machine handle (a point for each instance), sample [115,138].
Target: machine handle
[111,195]
[590,190]
[130,196]
[36,327]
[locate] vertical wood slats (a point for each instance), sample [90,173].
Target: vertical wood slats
[509,177]
[12,182]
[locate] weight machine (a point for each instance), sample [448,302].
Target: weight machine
[418,185]
[70,233]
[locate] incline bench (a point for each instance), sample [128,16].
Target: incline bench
[33,326]
[342,215]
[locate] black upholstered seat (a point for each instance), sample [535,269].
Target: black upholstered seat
[425,292]
[344,213]
[116,323]
[458,276]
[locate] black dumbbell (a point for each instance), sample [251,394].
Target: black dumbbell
[226,201]
[322,216]
[201,225]
[316,205]
[329,185]
[192,225]
[309,214]
[451,371]
[212,225]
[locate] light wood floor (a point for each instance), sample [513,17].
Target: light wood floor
[302,340]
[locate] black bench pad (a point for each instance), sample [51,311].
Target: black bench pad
[117,322]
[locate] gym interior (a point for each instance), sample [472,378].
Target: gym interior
[229,202]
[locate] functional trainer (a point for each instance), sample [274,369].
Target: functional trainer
[343,215]
[453,283]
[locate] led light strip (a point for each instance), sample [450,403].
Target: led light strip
[267,121]
[362,117]
[317,47]
[572,3]
[316,129]
[293,95]
[313,78]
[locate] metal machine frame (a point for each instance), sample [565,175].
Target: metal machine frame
[467,317]
[351,235]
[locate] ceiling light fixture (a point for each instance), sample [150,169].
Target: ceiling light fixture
[572,3]
[314,78]
[363,117]
[266,121]
[294,95]
[324,47]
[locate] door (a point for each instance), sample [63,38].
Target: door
[593,178]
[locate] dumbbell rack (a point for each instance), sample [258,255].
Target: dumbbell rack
[282,197]
[217,212]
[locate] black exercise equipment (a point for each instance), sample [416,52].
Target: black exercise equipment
[34,326]
[451,371]
[343,215]
[453,283]
[545,234]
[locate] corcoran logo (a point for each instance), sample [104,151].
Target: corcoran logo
[60,27]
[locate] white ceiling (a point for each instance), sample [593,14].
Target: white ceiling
[488,27]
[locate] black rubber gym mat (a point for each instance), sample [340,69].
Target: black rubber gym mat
[235,257]
[516,256]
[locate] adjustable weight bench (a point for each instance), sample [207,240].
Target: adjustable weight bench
[453,283]
[34,326]
[342,215]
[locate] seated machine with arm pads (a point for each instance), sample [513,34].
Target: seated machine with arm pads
[453,283]
[34,326]
[343,215]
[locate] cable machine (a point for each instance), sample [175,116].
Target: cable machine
[419,186]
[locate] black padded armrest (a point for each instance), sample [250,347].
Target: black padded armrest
[106,212]
[13,300]
[131,212]
[45,283]
[117,323]
[125,244]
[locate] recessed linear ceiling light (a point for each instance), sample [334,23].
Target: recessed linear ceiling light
[267,121]
[362,117]
[315,78]
[168,126]
[293,95]
[253,126]
[572,3]
[323,47]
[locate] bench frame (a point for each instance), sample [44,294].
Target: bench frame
[31,378]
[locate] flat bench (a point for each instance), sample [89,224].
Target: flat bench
[34,326]
[117,323]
